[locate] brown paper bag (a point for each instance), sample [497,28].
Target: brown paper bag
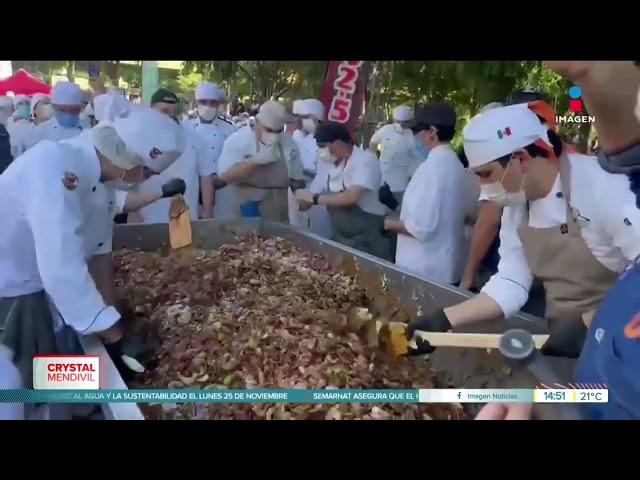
[179,223]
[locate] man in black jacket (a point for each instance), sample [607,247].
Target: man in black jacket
[5,149]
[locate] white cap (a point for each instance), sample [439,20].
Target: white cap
[66,93]
[273,115]
[297,104]
[208,91]
[311,106]
[35,99]
[500,132]
[108,106]
[5,101]
[403,114]
[491,106]
[145,137]
[20,98]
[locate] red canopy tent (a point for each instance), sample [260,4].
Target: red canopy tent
[22,83]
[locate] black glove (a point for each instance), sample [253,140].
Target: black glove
[173,187]
[433,322]
[129,355]
[386,197]
[566,338]
[296,184]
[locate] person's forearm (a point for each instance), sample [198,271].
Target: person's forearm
[484,234]
[396,226]
[477,309]
[342,199]
[135,200]
[206,190]
[239,172]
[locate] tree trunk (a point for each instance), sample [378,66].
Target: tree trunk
[70,67]
[112,70]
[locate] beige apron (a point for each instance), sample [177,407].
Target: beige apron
[574,279]
[269,186]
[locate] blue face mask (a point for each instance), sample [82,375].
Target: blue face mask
[421,149]
[68,119]
[23,111]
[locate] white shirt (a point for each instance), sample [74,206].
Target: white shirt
[433,213]
[192,165]
[50,130]
[612,231]
[19,133]
[362,170]
[396,154]
[214,135]
[43,242]
[10,380]
[242,145]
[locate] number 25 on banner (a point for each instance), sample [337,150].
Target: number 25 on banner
[344,86]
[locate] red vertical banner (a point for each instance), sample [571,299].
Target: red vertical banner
[344,92]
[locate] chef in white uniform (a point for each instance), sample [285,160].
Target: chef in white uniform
[47,202]
[349,190]
[193,167]
[397,150]
[311,114]
[258,164]
[41,108]
[431,235]
[297,134]
[565,221]
[66,98]
[21,125]
[214,130]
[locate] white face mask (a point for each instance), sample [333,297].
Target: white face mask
[270,138]
[495,192]
[207,113]
[309,125]
[325,156]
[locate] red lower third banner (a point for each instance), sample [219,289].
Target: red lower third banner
[344,92]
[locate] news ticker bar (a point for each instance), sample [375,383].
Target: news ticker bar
[305,396]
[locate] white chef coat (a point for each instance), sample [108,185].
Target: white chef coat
[433,212]
[397,152]
[9,380]
[42,245]
[606,211]
[298,135]
[50,130]
[214,135]
[192,165]
[362,169]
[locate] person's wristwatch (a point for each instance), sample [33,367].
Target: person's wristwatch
[316,196]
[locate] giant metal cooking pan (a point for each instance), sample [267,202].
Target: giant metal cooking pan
[469,368]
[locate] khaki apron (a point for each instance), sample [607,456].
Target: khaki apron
[269,186]
[358,229]
[574,279]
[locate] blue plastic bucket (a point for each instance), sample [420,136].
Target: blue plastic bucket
[250,209]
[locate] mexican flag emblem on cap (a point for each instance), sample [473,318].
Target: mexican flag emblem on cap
[504,133]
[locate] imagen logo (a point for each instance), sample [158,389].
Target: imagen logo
[575,102]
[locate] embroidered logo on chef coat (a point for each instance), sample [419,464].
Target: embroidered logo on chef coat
[581,220]
[70,181]
[632,329]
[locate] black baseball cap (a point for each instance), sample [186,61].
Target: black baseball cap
[163,95]
[332,131]
[436,113]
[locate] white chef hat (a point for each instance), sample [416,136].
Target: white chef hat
[491,106]
[311,106]
[145,137]
[35,99]
[6,101]
[297,104]
[20,98]
[501,131]
[273,115]
[207,91]
[66,93]
[403,114]
[108,106]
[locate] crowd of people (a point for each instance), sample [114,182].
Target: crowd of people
[518,215]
